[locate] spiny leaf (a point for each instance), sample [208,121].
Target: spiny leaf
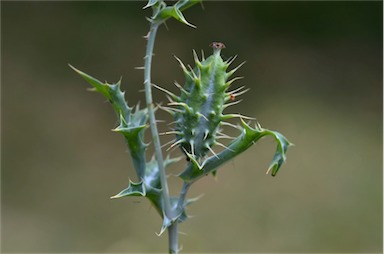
[162,12]
[98,85]
[246,139]
[133,123]
[133,189]
[110,91]
[152,3]
[279,157]
[134,137]
[174,12]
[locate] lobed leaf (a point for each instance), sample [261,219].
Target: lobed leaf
[110,91]
[152,3]
[150,187]
[246,139]
[133,189]
[162,12]
[133,122]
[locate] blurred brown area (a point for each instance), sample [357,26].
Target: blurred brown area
[315,74]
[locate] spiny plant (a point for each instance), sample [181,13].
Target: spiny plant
[198,121]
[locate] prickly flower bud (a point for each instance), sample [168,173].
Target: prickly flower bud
[199,109]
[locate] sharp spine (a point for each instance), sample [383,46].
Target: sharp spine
[232,103]
[176,143]
[222,145]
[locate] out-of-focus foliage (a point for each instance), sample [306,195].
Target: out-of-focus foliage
[321,62]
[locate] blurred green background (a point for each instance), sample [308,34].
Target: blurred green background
[315,73]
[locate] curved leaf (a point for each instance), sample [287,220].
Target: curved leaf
[246,139]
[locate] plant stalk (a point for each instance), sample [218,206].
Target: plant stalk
[173,238]
[172,229]
[152,119]
[183,194]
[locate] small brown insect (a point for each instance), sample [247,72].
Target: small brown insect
[232,97]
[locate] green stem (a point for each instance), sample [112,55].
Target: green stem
[168,211]
[173,238]
[152,119]
[183,194]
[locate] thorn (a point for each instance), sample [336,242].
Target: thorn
[202,54]
[170,132]
[222,145]
[222,135]
[168,143]
[136,108]
[183,67]
[146,6]
[182,104]
[166,26]
[192,200]
[171,150]
[185,151]
[232,103]
[196,58]
[200,114]
[213,152]
[160,121]
[202,5]
[225,137]
[236,90]
[91,89]
[235,69]
[176,143]
[193,160]
[241,92]
[206,132]
[170,110]
[268,170]
[181,88]
[229,116]
[173,122]
[146,56]
[142,91]
[149,20]
[147,35]
[228,83]
[230,124]
[230,60]
[177,85]
[140,68]
[169,99]
[192,148]
[193,72]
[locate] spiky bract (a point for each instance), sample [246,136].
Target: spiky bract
[199,109]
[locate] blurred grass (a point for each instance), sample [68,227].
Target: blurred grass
[315,73]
